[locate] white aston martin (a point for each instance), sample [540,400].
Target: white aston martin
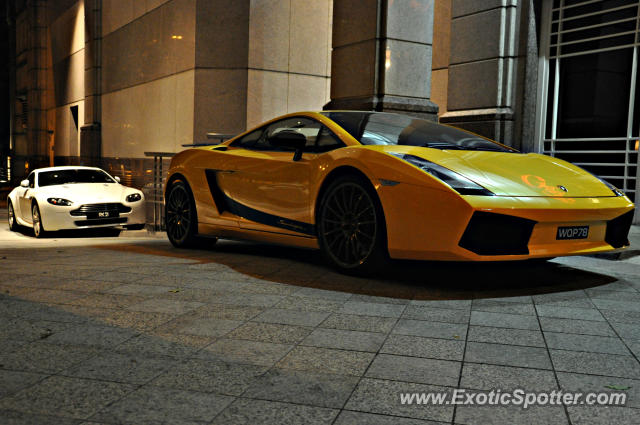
[58,198]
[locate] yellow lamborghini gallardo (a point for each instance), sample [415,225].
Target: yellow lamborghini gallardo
[367,186]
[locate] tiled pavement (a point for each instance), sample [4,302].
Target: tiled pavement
[139,332]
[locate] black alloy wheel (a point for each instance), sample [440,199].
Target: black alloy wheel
[351,230]
[180,215]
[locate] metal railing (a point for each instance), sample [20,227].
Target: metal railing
[155,197]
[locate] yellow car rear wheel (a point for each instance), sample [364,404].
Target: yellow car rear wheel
[180,215]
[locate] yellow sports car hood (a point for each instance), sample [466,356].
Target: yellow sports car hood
[513,174]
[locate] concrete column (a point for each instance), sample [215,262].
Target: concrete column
[91,131]
[37,131]
[381,57]
[483,67]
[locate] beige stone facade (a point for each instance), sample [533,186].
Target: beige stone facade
[107,80]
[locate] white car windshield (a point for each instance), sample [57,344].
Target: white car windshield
[50,178]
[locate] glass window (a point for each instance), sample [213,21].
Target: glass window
[32,179]
[379,128]
[590,103]
[319,138]
[248,141]
[71,176]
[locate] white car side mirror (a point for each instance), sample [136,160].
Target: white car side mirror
[24,183]
[117,179]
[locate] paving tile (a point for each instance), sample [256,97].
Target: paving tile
[507,355]
[457,304]
[46,358]
[634,347]
[508,307]
[12,381]
[627,330]
[345,340]
[506,378]
[354,322]
[415,369]
[91,335]
[210,376]
[596,415]
[416,346]
[430,329]
[227,312]
[114,301]
[595,363]
[114,276]
[12,417]
[139,321]
[250,412]
[532,338]
[504,320]
[250,300]
[270,332]
[323,293]
[607,294]
[372,309]
[577,299]
[508,415]
[166,306]
[302,387]
[347,417]
[27,330]
[590,343]
[244,351]
[383,397]
[620,305]
[575,382]
[134,289]
[209,327]
[120,367]
[569,312]
[53,296]
[310,304]
[71,397]
[173,345]
[448,315]
[292,317]
[161,405]
[621,316]
[378,299]
[340,362]
[582,327]
[578,302]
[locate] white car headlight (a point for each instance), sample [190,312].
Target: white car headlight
[60,202]
[134,197]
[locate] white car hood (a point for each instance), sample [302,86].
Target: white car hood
[87,193]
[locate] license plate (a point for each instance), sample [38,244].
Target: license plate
[103,214]
[572,232]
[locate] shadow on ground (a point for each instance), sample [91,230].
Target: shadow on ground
[419,280]
[104,232]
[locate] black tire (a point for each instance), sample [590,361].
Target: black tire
[181,219]
[11,217]
[36,219]
[351,226]
[134,226]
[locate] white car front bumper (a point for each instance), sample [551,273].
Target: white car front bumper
[89,216]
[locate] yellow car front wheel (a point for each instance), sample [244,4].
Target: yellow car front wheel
[351,229]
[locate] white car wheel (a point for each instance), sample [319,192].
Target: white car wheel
[38,230]
[13,226]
